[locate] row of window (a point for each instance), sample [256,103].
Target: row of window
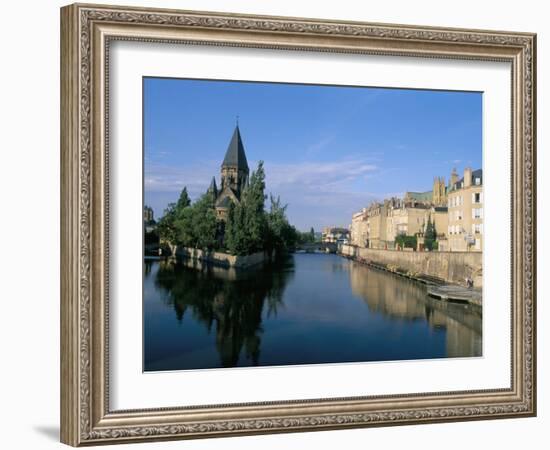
[458,200]
[477,213]
[477,228]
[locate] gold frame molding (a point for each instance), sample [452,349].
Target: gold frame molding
[86,31]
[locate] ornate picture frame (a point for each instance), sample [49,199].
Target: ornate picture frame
[87,32]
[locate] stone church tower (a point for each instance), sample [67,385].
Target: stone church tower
[234,176]
[439,192]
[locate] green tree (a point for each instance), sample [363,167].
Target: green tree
[405,241]
[166,227]
[204,223]
[246,227]
[197,225]
[312,234]
[253,204]
[183,201]
[280,236]
[430,235]
[235,235]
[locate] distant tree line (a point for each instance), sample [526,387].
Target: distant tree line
[249,227]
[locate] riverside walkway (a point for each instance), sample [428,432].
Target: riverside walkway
[456,293]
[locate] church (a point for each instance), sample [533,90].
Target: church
[234,176]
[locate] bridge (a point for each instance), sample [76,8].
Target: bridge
[318,247]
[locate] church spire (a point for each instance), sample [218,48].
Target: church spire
[213,188]
[235,155]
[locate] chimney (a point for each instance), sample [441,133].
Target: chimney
[467,177]
[453,179]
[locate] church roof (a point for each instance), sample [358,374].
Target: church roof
[235,156]
[420,196]
[224,202]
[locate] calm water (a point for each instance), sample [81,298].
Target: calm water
[311,308]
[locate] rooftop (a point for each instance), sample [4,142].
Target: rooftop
[235,155]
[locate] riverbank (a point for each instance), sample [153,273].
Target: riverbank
[221,259]
[444,272]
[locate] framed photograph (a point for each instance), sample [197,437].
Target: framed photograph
[276,224]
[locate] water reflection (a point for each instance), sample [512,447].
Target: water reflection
[307,309]
[407,300]
[228,301]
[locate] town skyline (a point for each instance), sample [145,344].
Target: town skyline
[333,150]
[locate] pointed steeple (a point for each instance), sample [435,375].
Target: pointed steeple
[213,188]
[235,156]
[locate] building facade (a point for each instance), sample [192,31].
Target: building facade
[381,223]
[358,228]
[465,203]
[376,225]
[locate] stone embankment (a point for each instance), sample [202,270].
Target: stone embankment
[222,259]
[445,272]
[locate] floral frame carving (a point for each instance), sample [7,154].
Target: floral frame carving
[86,31]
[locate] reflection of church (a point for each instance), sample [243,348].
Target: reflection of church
[234,176]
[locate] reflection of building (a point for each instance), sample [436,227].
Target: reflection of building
[335,234]
[234,176]
[465,201]
[404,300]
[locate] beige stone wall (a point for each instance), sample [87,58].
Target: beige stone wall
[376,226]
[408,221]
[441,220]
[221,259]
[451,267]
[358,229]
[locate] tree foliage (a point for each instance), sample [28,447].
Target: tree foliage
[197,225]
[249,228]
[405,241]
[281,236]
[167,224]
[183,201]
[430,235]
[235,238]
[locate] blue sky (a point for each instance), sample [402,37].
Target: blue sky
[328,151]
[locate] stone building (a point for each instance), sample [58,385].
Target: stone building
[465,203]
[358,228]
[148,215]
[234,176]
[436,197]
[379,225]
[376,225]
[408,219]
[335,234]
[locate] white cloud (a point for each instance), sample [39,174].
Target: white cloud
[318,193]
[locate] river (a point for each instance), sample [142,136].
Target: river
[307,309]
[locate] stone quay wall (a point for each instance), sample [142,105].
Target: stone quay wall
[451,267]
[221,259]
